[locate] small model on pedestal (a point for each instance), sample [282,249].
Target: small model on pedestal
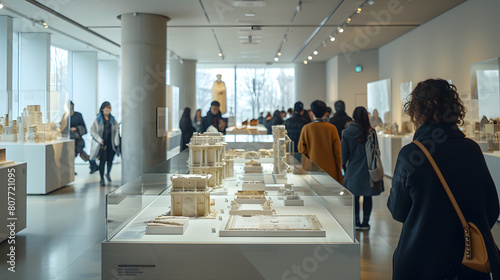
[207,156]
[3,161]
[190,195]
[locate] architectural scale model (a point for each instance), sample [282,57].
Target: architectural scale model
[10,132]
[28,127]
[190,195]
[253,186]
[280,143]
[266,153]
[207,156]
[253,167]
[167,225]
[250,197]
[273,226]
[251,209]
[293,200]
[229,165]
[3,161]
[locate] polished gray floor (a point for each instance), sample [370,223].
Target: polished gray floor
[66,227]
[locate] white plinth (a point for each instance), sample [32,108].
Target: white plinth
[389,150]
[167,230]
[50,165]
[13,185]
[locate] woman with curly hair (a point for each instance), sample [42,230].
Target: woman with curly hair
[431,245]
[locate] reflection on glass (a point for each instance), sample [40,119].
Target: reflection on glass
[406,89]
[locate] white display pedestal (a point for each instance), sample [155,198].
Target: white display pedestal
[13,193]
[389,149]
[50,165]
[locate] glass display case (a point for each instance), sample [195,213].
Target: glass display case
[33,116]
[483,123]
[34,128]
[260,225]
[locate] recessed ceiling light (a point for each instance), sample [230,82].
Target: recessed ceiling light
[249,4]
[250,14]
[315,52]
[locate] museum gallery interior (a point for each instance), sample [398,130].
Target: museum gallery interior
[96,183]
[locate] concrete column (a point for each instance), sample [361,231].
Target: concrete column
[144,49]
[85,90]
[183,75]
[310,82]
[5,65]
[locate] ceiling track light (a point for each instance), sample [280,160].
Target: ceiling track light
[1,5]
[279,53]
[309,57]
[359,10]
[305,61]
[332,38]
[315,52]
[348,20]
[220,54]
[340,29]
[276,59]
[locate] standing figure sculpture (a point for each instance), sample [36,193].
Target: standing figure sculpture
[219,93]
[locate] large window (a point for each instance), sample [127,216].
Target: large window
[59,80]
[249,91]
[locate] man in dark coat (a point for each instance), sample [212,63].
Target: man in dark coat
[212,118]
[275,120]
[431,245]
[340,118]
[294,124]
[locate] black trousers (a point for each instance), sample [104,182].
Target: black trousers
[106,159]
[367,208]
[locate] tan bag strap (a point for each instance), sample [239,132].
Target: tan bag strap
[443,181]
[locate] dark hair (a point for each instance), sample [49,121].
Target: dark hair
[435,101]
[339,106]
[71,104]
[104,105]
[298,107]
[290,110]
[360,116]
[277,114]
[329,110]
[318,108]
[186,117]
[215,103]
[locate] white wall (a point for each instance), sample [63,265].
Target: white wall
[345,84]
[443,47]
[85,89]
[310,82]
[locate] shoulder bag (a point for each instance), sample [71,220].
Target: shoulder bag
[375,167]
[475,254]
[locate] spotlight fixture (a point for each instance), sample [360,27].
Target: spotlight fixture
[358,11]
[324,43]
[310,57]
[340,29]
[276,59]
[1,5]
[220,54]
[315,52]
[305,61]
[279,53]
[299,6]
[332,38]
[348,20]
[45,25]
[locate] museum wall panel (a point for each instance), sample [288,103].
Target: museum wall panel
[443,47]
[310,82]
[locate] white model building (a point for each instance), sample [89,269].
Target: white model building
[190,195]
[207,156]
[10,133]
[253,167]
[280,143]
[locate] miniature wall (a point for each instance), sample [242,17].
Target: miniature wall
[443,47]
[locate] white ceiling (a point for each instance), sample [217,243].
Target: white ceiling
[190,34]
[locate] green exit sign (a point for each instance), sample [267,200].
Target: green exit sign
[358,68]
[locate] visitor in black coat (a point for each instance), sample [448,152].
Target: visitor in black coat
[340,118]
[431,245]
[294,124]
[212,118]
[276,120]
[187,128]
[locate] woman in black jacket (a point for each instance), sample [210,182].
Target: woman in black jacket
[276,120]
[187,128]
[431,245]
